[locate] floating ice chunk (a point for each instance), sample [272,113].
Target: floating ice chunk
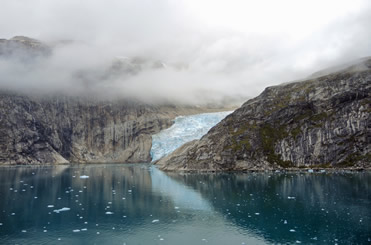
[155,220]
[45,231]
[50,206]
[285,222]
[292,230]
[109,212]
[24,231]
[84,177]
[61,210]
[298,241]
[323,171]
[84,229]
[77,230]
[310,171]
[257,213]
[176,207]
[12,214]
[1,224]
[290,197]
[161,239]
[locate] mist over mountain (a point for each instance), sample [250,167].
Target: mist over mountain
[188,52]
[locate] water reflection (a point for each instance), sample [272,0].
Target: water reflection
[309,208]
[138,204]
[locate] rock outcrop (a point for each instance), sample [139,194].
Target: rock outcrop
[23,47]
[63,129]
[321,122]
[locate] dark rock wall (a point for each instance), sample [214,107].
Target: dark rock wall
[64,129]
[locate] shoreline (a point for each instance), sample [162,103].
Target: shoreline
[182,171]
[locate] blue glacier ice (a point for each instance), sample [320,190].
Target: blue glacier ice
[184,129]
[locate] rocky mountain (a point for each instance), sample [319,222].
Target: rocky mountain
[23,47]
[320,122]
[63,129]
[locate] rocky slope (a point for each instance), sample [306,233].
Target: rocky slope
[23,47]
[62,129]
[320,122]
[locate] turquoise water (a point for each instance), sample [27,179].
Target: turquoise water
[138,204]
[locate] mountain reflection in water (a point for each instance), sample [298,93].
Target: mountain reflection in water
[138,204]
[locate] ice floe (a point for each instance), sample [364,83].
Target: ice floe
[61,210]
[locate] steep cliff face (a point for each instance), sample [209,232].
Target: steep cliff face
[322,122]
[65,129]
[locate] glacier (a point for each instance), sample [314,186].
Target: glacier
[184,129]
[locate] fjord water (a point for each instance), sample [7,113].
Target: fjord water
[138,204]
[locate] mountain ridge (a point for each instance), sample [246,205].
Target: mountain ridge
[320,122]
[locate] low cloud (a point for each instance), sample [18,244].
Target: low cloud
[188,51]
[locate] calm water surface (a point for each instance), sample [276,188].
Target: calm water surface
[138,204]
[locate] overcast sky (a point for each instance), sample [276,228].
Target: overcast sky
[229,47]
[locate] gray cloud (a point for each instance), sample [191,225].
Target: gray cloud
[186,51]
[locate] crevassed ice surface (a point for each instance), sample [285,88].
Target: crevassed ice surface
[185,129]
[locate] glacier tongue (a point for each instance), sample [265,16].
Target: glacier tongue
[185,129]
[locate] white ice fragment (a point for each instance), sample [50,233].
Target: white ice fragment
[298,241]
[1,224]
[155,220]
[84,229]
[109,212]
[257,213]
[61,210]
[84,177]
[50,206]
[77,230]
[24,231]
[176,207]
[290,197]
[45,231]
[12,214]
[310,171]
[292,230]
